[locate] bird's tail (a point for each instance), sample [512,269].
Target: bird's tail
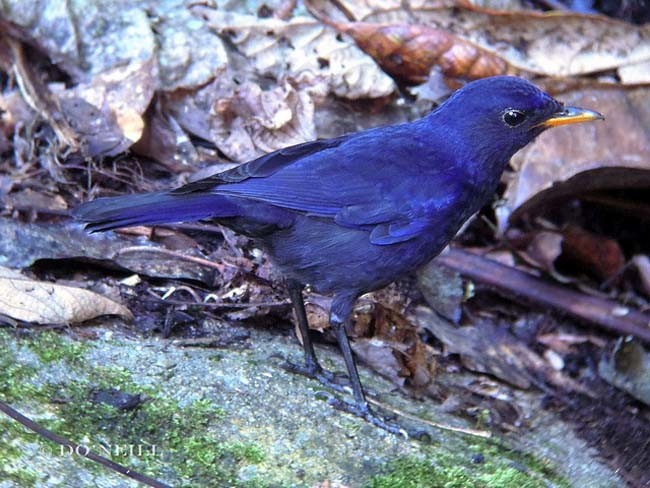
[152,208]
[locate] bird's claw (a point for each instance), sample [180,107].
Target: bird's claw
[316,372]
[365,412]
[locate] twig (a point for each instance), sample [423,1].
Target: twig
[215,304]
[606,314]
[193,259]
[461,430]
[85,452]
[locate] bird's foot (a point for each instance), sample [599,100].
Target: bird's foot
[365,412]
[315,371]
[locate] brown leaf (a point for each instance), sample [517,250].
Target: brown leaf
[111,120]
[559,45]
[164,140]
[409,52]
[383,339]
[544,248]
[390,345]
[594,253]
[48,303]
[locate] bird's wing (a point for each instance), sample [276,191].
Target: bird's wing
[263,166]
[369,180]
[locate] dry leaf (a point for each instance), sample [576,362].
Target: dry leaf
[107,111]
[409,52]
[492,349]
[48,303]
[594,253]
[243,120]
[389,344]
[556,45]
[301,47]
[544,248]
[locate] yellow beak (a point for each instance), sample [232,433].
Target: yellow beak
[571,115]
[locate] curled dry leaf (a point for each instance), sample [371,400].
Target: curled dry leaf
[390,345]
[106,112]
[573,160]
[48,303]
[383,339]
[410,52]
[302,47]
[543,249]
[126,90]
[245,121]
[555,45]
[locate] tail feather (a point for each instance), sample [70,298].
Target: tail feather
[152,208]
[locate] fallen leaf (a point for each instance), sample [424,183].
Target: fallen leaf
[389,344]
[409,52]
[48,303]
[23,244]
[488,348]
[301,47]
[164,140]
[596,254]
[554,45]
[543,250]
[243,120]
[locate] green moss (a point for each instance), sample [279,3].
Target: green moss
[442,470]
[185,437]
[410,472]
[12,436]
[509,477]
[185,441]
[15,378]
[51,346]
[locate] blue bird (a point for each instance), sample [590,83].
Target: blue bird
[351,214]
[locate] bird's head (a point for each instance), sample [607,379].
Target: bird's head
[497,116]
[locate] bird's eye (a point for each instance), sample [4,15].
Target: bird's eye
[513,117]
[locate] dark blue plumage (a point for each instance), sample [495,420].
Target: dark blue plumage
[351,214]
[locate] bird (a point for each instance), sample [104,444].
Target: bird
[351,214]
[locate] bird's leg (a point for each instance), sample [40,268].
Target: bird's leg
[312,367]
[339,317]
